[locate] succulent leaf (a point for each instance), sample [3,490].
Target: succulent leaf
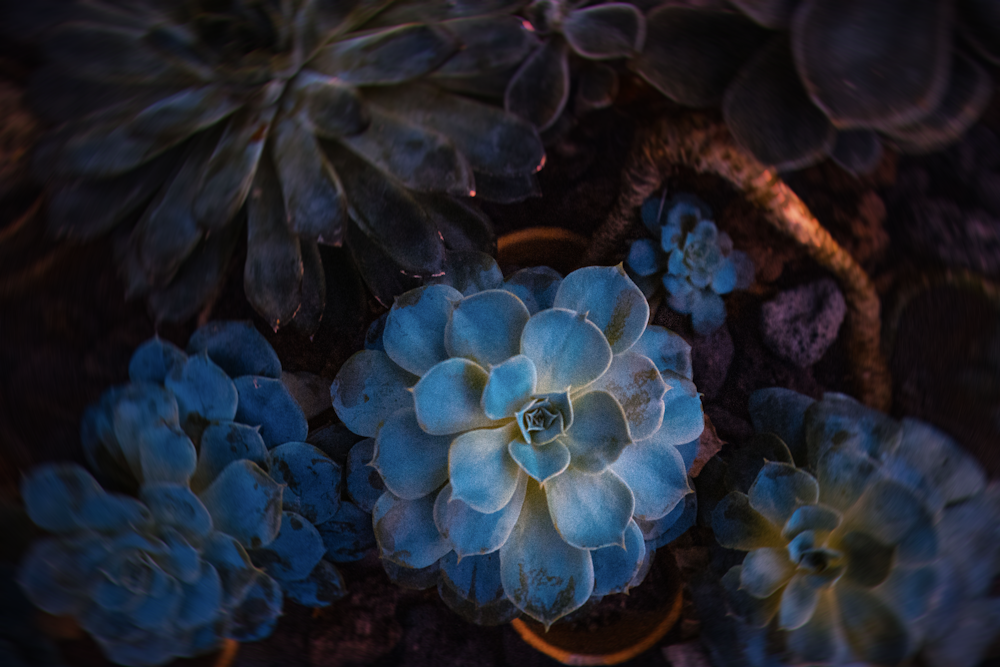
[411,462]
[246,503]
[406,531]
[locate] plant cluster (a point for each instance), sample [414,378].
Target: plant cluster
[523,429]
[851,525]
[690,257]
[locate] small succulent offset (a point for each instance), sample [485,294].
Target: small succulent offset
[325,119]
[694,261]
[578,37]
[846,559]
[524,429]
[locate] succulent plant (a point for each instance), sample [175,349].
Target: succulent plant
[577,37]
[150,579]
[847,560]
[323,118]
[691,258]
[523,429]
[220,423]
[800,80]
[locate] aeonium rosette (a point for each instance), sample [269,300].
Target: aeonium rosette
[536,419]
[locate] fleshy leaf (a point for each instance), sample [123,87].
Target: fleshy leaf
[237,348]
[245,503]
[294,552]
[221,444]
[312,476]
[798,602]
[811,517]
[843,476]
[447,398]
[52,492]
[540,462]
[542,575]
[839,420]
[368,388]
[111,512]
[265,402]
[673,524]
[254,619]
[203,389]
[176,505]
[615,567]
[655,472]
[482,473]
[406,532]
[636,384]
[819,639]
[755,612]
[324,586]
[411,462]
[610,300]
[874,632]
[231,561]
[201,599]
[153,360]
[765,570]
[509,387]
[644,257]
[473,533]
[868,560]
[599,433]
[737,525]
[166,454]
[348,535]
[567,350]
[539,89]
[470,272]
[613,30]
[780,489]
[364,484]
[486,327]
[667,350]
[388,56]
[590,511]
[891,511]
[473,589]
[948,469]
[782,412]
[536,286]
[414,330]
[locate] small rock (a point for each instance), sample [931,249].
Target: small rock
[800,324]
[711,356]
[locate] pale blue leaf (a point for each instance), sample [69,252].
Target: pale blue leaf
[111,513]
[181,560]
[610,300]
[540,462]
[368,388]
[472,533]
[509,387]
[470,272]
[680,292]
[480,469]
[266,402]
[644,257]
[843,476]
[839,420]
[798,602]
[765,570]
[683,419]
[486,327]
[636,384]
[411,462]
[238,349]
[231,561]
[324,586]
[780,489]
[153,360]
[615,567]
[819,640]
[364,484]
[724,278]
[894,513]
[166,454]
[255,617]
[448,398]
[138,408]
[536,286]
[782,412]
[737,525]
[349,534]
[590,511]
[655,472]
[568,351]
[221,444]
[473,589]
[667,350]
[708,312]
[949,470]
[811,517]
[201,600]
[406,532]
[876,634]
[676,522]
[294,552]
[599,433]
[203,389]
[52,492]
[542,575]
[414,329]
[311,475]
[246,503]
[756,613]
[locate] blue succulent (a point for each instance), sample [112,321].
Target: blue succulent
[524,429]
[151,579]
[845,531]
[694,260]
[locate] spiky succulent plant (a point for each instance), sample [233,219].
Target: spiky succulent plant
[527,425]
[150,579]
[799,80]
[577,37]
[324,119]
[844,528]
[691,258]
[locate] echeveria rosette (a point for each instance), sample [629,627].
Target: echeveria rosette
[322,118]
[220,420]
[524,428]
[151,579]
[845,529]
[692,259]
[577,38]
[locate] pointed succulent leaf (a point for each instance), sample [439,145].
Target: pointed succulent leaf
[364,484]
[892,512]
[311,475]
[223,443]
[613,30]
[567,349]
[486,327]
[599,433]
[481,472]
[111,513]
[153,360]
[654,470]
[636,384]
[667,350]
[610,300]
[780,489]
[766,570]
[539,90]
[255,617]
[237,348]
[782,412]
[820,639]
[166,454]
[540,462]
[948,469]
[472,533]
[510,385]
[265,402]
[840,421]
[843,476]
[471,586]
[411,462]
[200,599]
[507,189]
[672,525]
[535,286]
[202,389]
[295,551]
[492,42]
[470,272]
[755,612]
[348,535]
[369,388]
[324,586]
[737,525]
[811,517]
[406,532]
[231,561]
[875,633]
[447,398]
[798,602]
[181,560]
[52,492]
[590,511]
[245,503]
[333,107]
[177,506]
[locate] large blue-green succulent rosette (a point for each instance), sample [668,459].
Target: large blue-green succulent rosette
[690,258]
[525,429]
[845,528]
